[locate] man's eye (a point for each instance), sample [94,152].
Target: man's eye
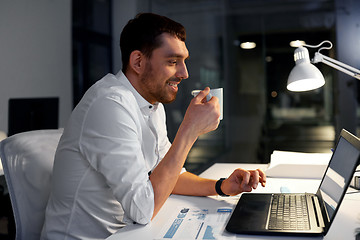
[173,62]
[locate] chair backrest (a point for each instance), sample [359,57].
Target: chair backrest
[27,160]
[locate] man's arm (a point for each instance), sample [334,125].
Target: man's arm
[193,185]
[239,181]
[201,117]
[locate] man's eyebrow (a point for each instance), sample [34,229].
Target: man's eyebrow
[177,56]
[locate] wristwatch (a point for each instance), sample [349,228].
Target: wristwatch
[218,187]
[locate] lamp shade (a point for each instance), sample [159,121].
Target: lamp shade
[304,76]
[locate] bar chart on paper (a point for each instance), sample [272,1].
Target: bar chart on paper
[197,223]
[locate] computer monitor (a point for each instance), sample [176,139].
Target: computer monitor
[26,114]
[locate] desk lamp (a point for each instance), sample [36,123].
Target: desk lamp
[305,76]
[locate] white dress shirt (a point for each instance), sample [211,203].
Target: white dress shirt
[100,182]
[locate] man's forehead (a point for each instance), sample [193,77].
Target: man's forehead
[173,46]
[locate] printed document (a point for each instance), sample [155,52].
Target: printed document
[197,223]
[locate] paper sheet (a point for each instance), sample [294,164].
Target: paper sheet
[196,223]
[298,164]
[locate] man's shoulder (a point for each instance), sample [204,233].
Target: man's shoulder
[110,85]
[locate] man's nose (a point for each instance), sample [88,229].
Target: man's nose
[182,72]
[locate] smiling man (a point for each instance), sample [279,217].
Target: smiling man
[114,164]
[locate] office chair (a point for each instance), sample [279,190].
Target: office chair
[27,160]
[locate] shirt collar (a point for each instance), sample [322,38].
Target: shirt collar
[145,107]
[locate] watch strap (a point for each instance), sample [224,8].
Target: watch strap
[218,187]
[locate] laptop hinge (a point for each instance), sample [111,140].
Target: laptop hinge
[317,210]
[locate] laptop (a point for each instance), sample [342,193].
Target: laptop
[270,213]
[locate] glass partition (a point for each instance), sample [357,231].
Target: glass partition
[260,114]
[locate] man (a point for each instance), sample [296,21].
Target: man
[114,164]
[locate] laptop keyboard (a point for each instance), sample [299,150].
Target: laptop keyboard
[288,212]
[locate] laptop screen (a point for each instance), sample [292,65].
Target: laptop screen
[338,174]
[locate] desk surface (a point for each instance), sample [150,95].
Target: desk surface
[346,222]
[1,168]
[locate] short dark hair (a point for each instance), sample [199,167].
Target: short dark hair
[141,33]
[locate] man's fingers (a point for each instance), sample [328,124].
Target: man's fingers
[245,181]
[254,179]
[262,177]
[243,177]
[201,97]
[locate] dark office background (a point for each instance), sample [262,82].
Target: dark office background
[260,115]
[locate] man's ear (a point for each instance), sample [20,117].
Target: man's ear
[136,61]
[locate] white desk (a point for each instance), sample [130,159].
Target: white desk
[344,226]
[2,137]
[1,169]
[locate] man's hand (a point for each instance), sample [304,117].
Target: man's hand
[243,181]
[202,116]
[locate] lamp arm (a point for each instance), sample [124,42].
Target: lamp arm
[337,65]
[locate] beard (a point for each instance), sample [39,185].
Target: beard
[157,90]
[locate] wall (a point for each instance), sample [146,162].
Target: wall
[35,53]
[122,12]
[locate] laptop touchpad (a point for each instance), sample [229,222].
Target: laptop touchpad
[252,210]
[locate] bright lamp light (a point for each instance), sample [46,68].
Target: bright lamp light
[305,76]
[248,45]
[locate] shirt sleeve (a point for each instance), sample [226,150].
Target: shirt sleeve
[111,142]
